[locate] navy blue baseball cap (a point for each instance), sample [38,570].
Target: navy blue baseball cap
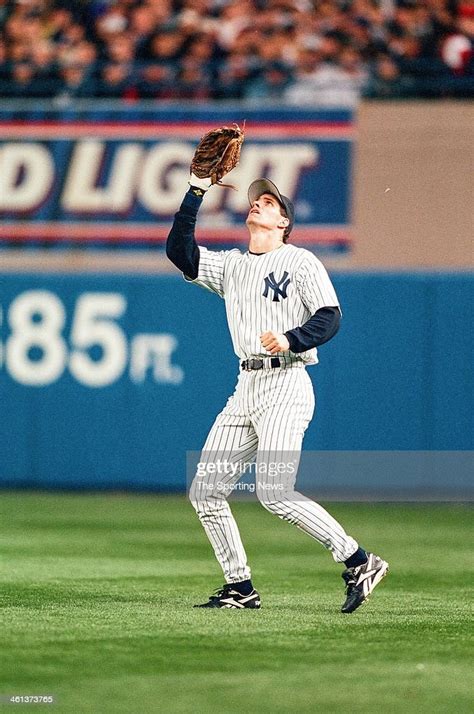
[260,186]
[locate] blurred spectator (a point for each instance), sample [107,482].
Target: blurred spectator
[351,62]
[387,82]
[75,82]
[156,81]
[120,48]
[20,82]
[165,46]
[457,49]
[325,83]
[194,81]
[115,82]
[234,17]
[141,23]
[233,49]
[234,74]
[271,82]
[4,64]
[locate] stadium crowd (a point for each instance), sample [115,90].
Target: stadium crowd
[320,52]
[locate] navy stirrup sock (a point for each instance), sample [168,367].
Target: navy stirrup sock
[357,558]
[245,587]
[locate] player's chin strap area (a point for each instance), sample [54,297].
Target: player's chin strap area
[249,365]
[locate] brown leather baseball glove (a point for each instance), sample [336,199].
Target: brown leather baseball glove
[217,153]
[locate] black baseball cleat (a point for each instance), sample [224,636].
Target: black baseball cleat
[230,598]
[361,580]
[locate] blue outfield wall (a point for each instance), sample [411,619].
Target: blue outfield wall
[107,381]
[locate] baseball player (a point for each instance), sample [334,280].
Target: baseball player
[280,307]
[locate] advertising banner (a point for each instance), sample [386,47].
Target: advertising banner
[102,178]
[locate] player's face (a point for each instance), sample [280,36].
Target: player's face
[265,212]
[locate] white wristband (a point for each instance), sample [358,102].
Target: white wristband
[202,183]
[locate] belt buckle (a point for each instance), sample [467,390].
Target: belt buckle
[250,364]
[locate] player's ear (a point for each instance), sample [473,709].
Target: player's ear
[284,223]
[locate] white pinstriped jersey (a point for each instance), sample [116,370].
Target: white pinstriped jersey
[278,291]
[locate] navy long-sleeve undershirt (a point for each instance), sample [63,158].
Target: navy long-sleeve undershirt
[320,328]
[181,246]
[183,251]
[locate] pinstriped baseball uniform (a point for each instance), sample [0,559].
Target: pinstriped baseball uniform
[242,278]
[268,413]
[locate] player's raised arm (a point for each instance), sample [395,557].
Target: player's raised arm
[217,153]
[181,246]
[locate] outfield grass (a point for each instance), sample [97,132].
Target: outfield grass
[97,595]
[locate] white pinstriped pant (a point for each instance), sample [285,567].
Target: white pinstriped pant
[265,418]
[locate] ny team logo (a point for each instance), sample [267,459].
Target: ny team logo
[279,287]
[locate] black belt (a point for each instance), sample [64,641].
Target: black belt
[255,363]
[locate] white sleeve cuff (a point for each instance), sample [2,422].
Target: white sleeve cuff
[203,183]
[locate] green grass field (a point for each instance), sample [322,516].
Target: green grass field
[97,595]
